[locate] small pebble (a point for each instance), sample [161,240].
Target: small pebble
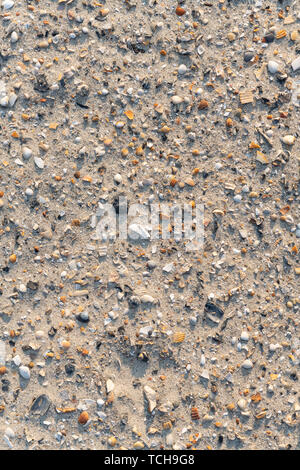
[273,66]
[247,364]
[24,372]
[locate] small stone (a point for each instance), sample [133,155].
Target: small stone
[198,91]
[288,139]
[248,55]
[28,192]
[13,258]
[83,418]
[176,99]
[151,397]
[242,404]
[231,37]
[118,178]
[39,162]
[112,441]
[110,386]
[247,364]
[7,4]
[182,69]
[145,299]
[65,344]
[245,336]
[14,37]
[27,152]
[203,104]
[204,374]
[84,317]
[10,433]
[273,66]
[12,99]
[24,372]
[4,101]
[17,360]
[269,37]
[243,234]
[180,11]
[138,445]
[296,64]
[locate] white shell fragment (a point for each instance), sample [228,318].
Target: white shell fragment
[296,64]
[151,397]
[288,139]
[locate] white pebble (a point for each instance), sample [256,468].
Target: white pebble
[247,364]
[28,192]
[242,404]
[39,162]
[7,4]
[176,99]
[296,64]
[40,334]
[273,66]
[288,139]
[14,37]
[199,91]
[24,372]
[9,433]
[17,360]
[182,69]
[27,152]
[118,178]
[12,99]
[245,336]
[4,101]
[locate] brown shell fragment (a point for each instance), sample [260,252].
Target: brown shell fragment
[203,104]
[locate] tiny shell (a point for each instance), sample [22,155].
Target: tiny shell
[261,157]
[138,445]
[296,64]
[176,99]
[178,337]
[203,104]
[195,413]
[112,441]
[151,397]
[200,50]
[281,34]
[246,97]
[109,386]
[129,114]
[288,139]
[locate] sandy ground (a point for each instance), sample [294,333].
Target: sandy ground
[141,344]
